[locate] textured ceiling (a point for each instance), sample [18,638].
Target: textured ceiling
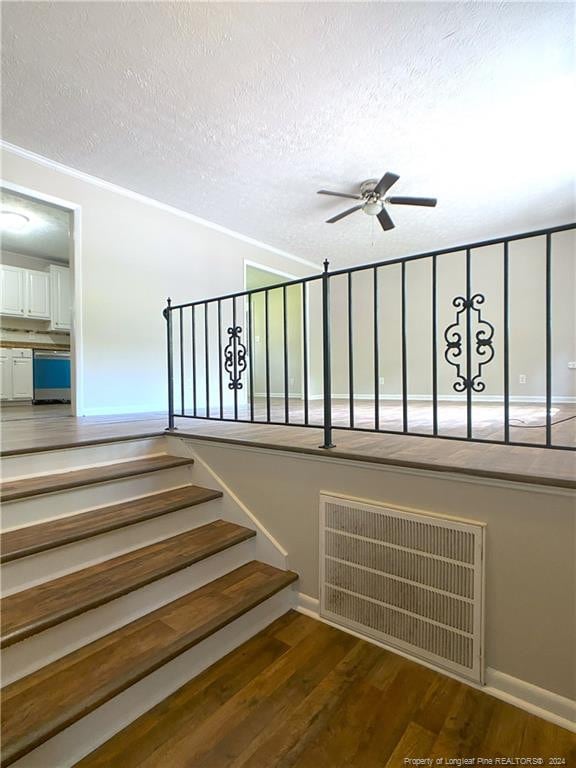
[239,112]
[48,233]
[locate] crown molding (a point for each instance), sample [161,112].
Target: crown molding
[117,189]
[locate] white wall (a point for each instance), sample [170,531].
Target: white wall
[134,255]
[530,562]
[527,321]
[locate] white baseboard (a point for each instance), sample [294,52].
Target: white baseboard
[538,701]
[118,410]
[455,398]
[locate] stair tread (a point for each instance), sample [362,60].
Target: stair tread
[45,702]
[35,609]
[22,542]
[11,490]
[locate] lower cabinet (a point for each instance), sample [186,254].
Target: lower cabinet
[6,374]
[16,374]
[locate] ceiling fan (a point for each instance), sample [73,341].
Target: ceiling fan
[373,201]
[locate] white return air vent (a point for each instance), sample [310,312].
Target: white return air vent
[410,580]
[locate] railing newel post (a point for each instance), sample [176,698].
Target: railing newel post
[326,358]
[167,312]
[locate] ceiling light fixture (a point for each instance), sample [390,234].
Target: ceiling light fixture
[10,221]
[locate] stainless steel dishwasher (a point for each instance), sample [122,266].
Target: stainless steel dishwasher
[51,376]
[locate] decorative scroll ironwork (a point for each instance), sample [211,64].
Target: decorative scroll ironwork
[483,345]
[235,357]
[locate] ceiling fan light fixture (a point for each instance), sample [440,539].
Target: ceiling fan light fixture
[373,207]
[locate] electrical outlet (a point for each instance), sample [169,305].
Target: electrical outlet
[572,364]
[381,381]
[257,339]
[292,381]
[522,378]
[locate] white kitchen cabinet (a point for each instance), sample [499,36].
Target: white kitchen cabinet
[60,298]
[24,293]
[16,369]
[37,295]
[6,374]
[12,291]
[22,379]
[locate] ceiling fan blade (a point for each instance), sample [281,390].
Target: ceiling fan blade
[338,194]
[429,201]
[345,213]
[385,183]
[385,220]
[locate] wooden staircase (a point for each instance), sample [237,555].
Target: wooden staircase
[111,607]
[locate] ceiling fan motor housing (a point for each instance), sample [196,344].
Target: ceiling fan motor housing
[374,202]
[367,187]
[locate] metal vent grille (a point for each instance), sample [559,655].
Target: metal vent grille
[410,580]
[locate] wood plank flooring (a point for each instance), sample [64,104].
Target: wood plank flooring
[43,703]
[33,431]
[22,542]
[530,465]
[302,694]
[35,609]
[10,490]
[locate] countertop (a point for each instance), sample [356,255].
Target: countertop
[33,345]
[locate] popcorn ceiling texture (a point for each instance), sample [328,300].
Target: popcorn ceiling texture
[239,112]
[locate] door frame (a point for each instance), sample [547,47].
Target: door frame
[76,332]
[288,276]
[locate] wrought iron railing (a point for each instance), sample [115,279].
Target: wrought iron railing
[474,342]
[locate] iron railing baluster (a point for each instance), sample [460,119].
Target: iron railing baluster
[267,339]
[468,345]
[220,383]
[305,351]
[506,341]
[327,361]
[207,359]
[404,353]
[548,340]
[350,353]
[235,363]
[285,342]
[170,371]
[434,345]
[181,340]
[376,350]
[194,398]
[250,358]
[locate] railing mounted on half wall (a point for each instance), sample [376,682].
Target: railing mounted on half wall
[475,342]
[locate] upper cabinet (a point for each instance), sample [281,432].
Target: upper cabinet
[36,295]
[12,291]
[60,298]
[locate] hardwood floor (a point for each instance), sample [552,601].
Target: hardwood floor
[39,433]
[45,702]
[302,694]
[530,465]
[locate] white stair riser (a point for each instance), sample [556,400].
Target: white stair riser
[24,657]
[37,509]
[83,737]
[46,462]
[45,566]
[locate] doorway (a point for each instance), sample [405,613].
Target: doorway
[38,305]
[276,346]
